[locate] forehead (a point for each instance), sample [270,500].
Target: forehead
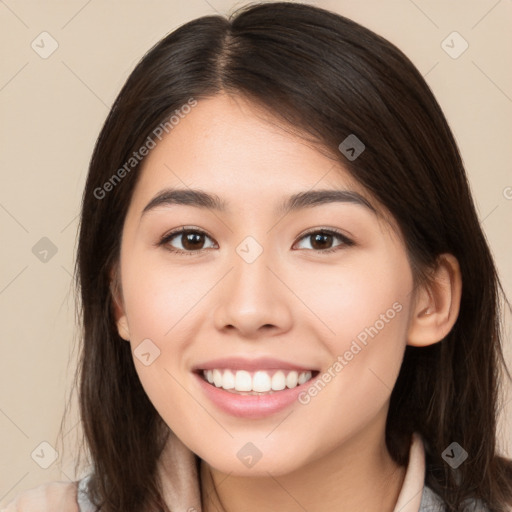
[227,142]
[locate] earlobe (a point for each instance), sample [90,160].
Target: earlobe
[122,328]
[117,304]
[437,304]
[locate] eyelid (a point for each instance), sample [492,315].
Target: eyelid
[329,231]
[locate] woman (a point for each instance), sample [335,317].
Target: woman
[287,300]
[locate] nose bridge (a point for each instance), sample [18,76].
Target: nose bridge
[252,278]
[251,297]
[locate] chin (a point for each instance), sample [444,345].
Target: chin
[276,466]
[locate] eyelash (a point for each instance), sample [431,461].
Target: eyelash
[169,236]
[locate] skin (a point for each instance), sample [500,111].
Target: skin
[292,303]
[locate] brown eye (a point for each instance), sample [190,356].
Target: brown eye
[323,240]
[191,240]
[188,241]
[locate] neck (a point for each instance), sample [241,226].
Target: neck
[358,475]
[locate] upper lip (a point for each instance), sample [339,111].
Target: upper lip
[240,363]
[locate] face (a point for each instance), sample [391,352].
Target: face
[314,299]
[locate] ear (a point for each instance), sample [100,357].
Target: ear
[436,304]
[118,306]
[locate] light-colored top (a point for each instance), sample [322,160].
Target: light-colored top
[182,489]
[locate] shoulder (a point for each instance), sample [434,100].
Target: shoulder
[432,502]
[50,497]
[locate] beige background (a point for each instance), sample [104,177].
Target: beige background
[52,110]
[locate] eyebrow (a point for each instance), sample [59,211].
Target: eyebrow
[307,199]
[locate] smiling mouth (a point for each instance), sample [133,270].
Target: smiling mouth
[260,382]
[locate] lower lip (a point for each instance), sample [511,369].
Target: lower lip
[251,406]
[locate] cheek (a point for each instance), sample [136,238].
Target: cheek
[159,298]
[366,309]
[162,306]
[351,299]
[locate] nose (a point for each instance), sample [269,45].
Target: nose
[253,299]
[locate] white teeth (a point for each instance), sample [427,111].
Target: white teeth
[292,379]
[304,377]
[217,378]
[243,381]
[260,381]
[278,381]
[228,380]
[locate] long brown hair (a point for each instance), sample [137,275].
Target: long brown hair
[331,77]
